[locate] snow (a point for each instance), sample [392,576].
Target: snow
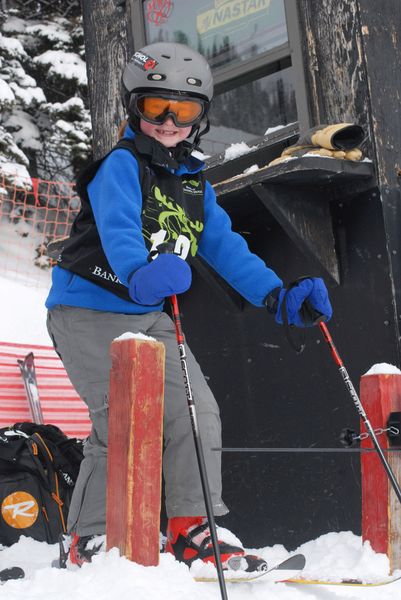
[383,369]
[67,65]
[25,131]
[17,324]
[111,577]
[251,169]
[49,31]
[129,335]
[6,93]
[28,95]
[13,47]
[236,150]
[271,130]
[14,25]
[16,173]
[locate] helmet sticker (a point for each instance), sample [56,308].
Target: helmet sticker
[143,61]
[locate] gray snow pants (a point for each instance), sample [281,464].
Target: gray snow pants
[82,338]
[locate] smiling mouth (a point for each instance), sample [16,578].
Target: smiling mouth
[166,132]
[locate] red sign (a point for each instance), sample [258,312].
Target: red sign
[158,11]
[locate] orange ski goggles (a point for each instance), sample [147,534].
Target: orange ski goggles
[183,111]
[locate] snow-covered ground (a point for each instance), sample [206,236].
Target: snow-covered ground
[22,313]
[110,577]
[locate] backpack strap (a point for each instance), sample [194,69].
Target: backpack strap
[55,248]
[86,176]
[38,445]
[145,173]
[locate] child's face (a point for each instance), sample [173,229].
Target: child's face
[167,134]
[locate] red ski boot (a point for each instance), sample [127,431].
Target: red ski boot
[83,548]
[188,538]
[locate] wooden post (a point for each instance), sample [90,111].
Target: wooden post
[134,462]
[381,510]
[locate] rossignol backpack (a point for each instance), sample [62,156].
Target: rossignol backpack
[39,466]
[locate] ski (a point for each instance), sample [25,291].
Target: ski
[11,573]
[27,368]
[351,582]
[282,571]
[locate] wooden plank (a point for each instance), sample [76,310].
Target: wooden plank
[316,170]
[334,62]
[306,219]
[135,449]
[381,510]
[381,29]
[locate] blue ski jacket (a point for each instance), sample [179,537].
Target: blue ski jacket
[116,201]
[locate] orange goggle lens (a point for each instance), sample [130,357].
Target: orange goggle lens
[156,110]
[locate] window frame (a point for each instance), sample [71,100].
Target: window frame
[229,77]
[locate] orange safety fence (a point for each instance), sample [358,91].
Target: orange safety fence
[33,212]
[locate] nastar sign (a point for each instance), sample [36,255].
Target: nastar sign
[226,12]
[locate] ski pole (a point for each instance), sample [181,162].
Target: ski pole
[198,446]
[359,407]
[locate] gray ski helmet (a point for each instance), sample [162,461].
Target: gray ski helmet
[167,66]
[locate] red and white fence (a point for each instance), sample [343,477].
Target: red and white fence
[60,403]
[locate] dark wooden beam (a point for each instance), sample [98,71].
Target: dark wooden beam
[351,49]
[334,62]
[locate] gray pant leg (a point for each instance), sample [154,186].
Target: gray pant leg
[184,496]
[82,338]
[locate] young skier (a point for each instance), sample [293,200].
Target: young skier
[146,209]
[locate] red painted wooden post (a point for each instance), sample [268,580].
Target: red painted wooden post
[381,510]
[134,462]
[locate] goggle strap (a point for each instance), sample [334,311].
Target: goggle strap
[200,133]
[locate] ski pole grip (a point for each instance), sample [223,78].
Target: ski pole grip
[314,316]
[164,248]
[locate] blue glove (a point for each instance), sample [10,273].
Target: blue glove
[305,302]
[166,275]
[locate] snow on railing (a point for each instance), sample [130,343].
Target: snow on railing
[33,212]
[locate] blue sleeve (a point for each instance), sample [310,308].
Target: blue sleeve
[228,254]
[116,199]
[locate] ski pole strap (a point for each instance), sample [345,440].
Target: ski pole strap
[300,346]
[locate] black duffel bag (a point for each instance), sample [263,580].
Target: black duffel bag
[39,466]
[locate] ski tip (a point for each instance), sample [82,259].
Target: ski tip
[11,573]
[296,562]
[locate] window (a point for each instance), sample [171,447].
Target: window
[224,31]
[246,43]
[248,111]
